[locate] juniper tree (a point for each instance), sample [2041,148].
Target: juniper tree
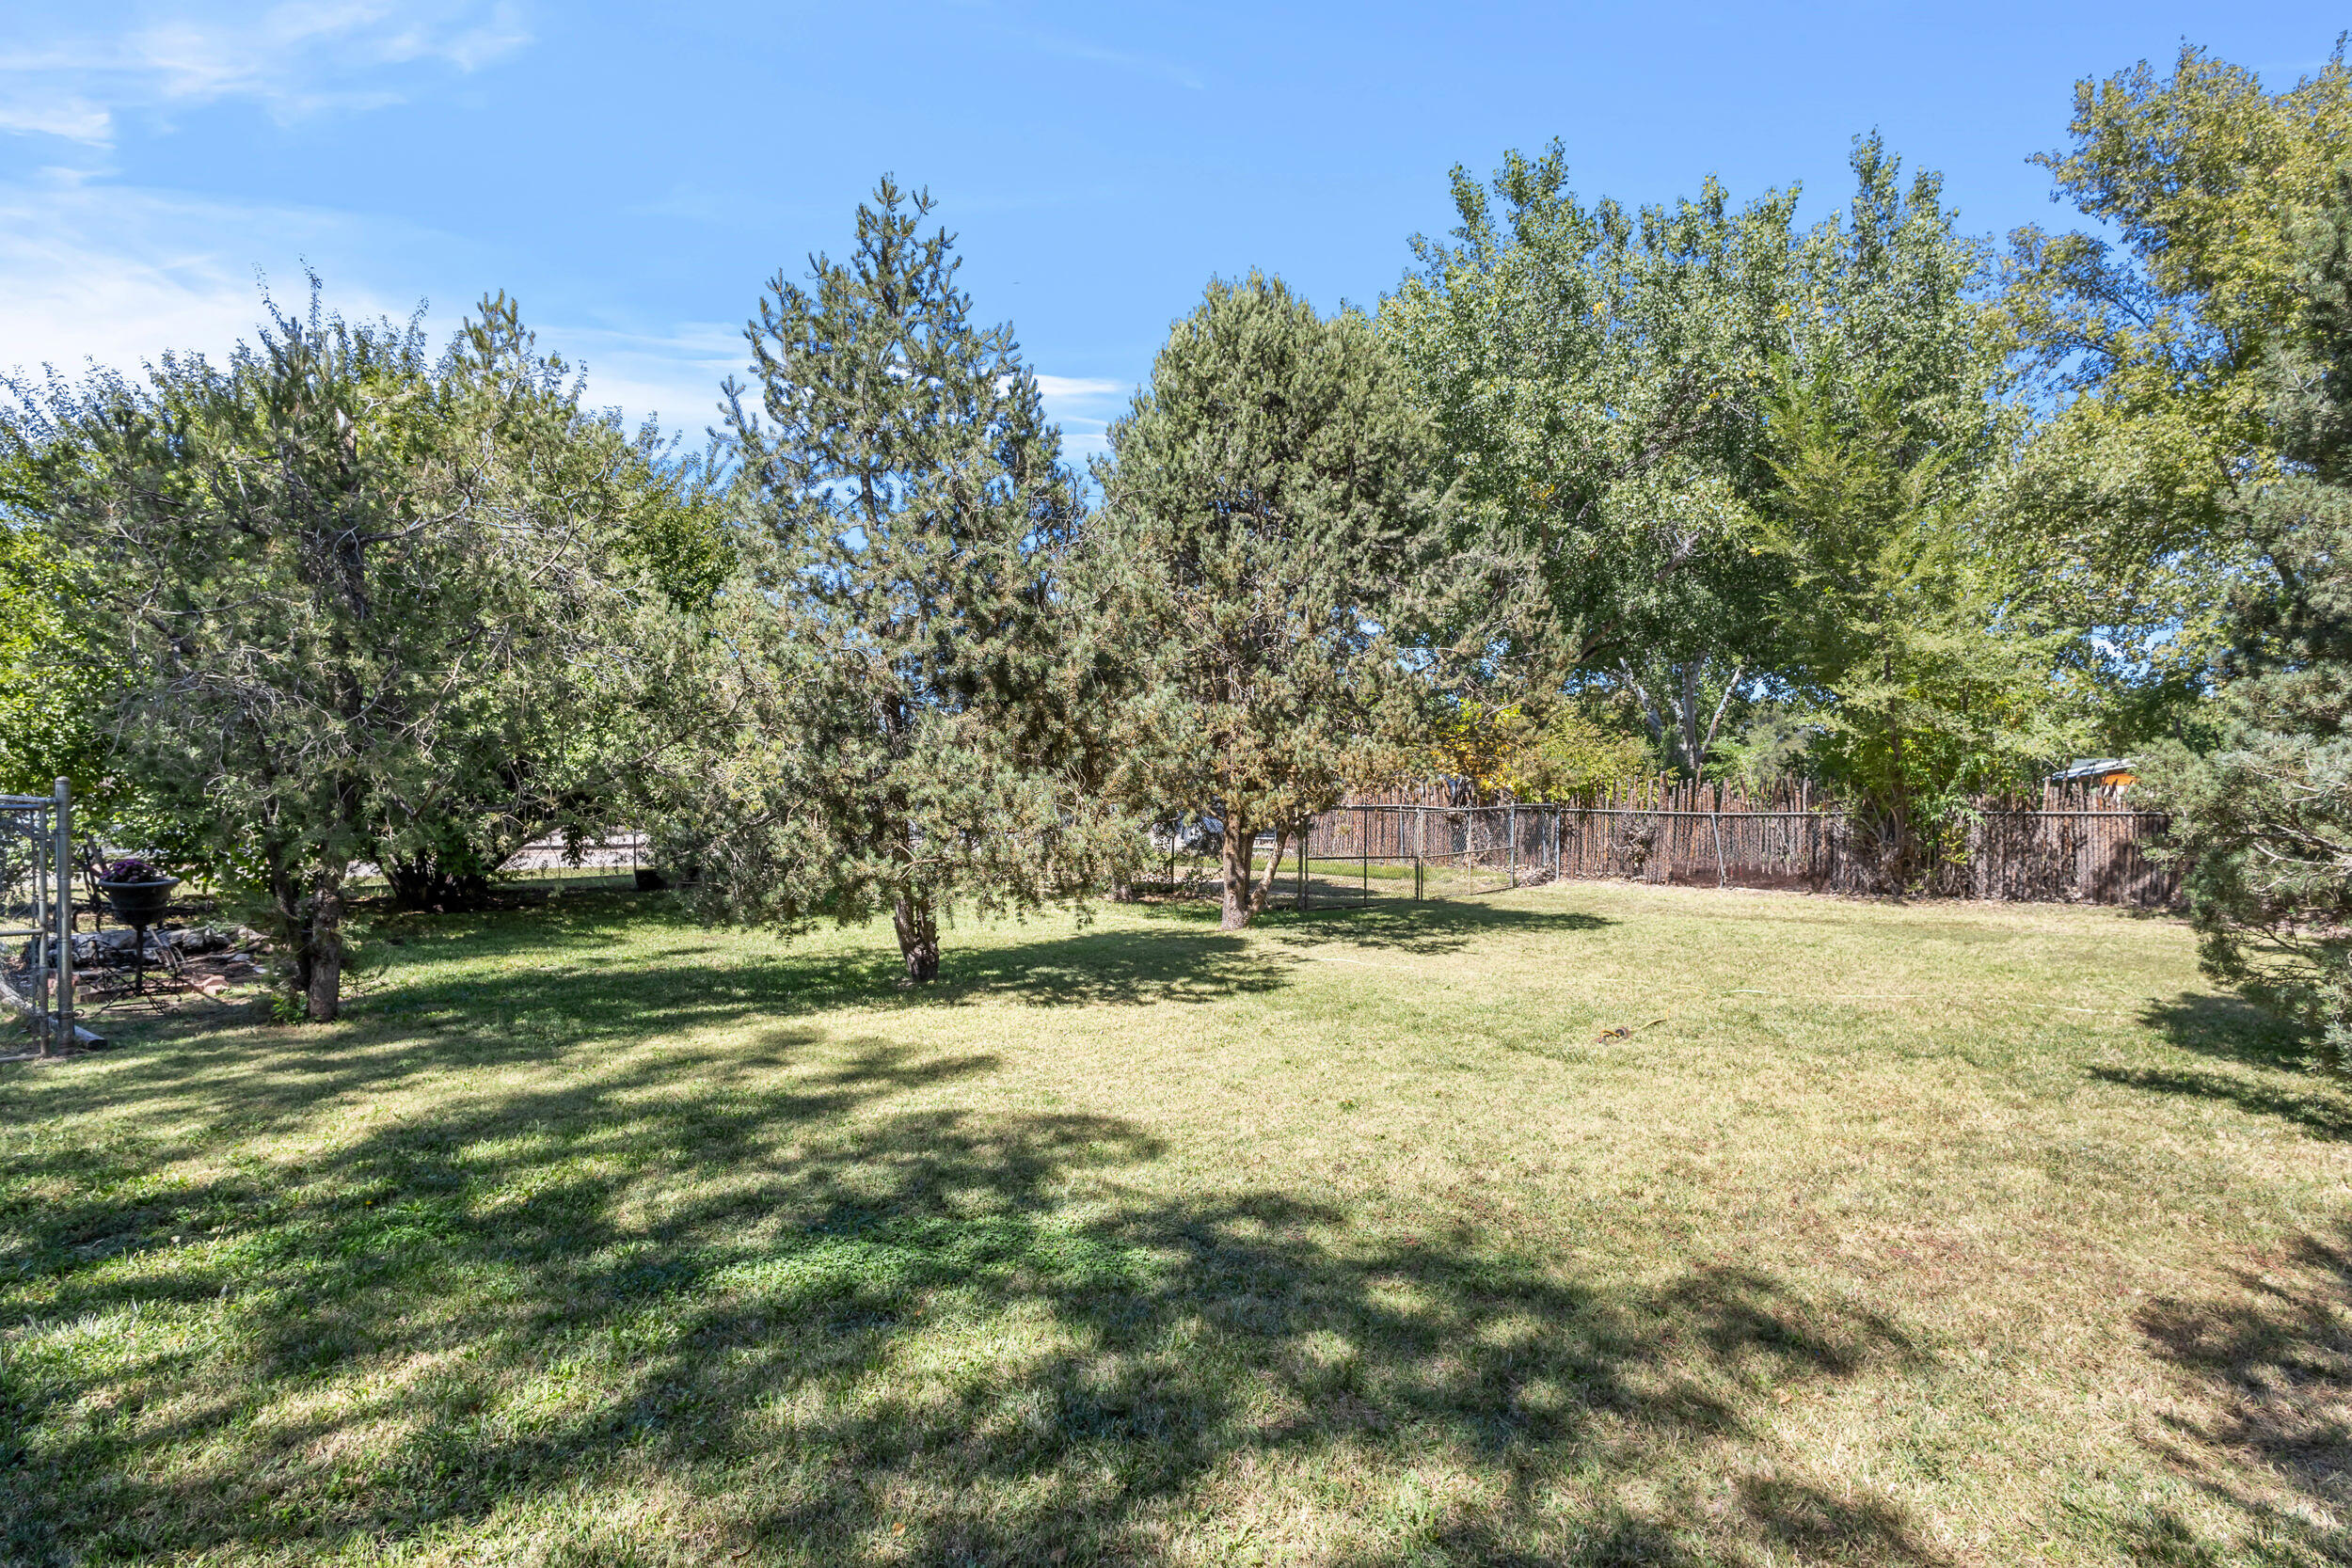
[892,662]
[1263,506]
[547,743]
[334,590]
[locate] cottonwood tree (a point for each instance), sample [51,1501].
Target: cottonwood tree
[891,664]
[314,577]
[1602,380]
[2152,336]
[1920,643]
[1595,376]
[1909,641]
[1267,504]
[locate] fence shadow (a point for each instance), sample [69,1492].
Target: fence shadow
[2267,1372]
[747,1288]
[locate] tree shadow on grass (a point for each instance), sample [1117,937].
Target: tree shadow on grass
[755,1303]
[2227,1027]
[575,999]
[2265,1067]
[1428,928]
[2266,1369]
[1168,963]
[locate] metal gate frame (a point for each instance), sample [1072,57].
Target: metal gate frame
[45,823]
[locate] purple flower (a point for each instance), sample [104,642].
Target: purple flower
[130,870]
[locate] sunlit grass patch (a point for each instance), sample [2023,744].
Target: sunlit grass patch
[1593,1224]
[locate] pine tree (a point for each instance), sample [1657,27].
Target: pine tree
[2264,824]
[893,668]
[1262,512]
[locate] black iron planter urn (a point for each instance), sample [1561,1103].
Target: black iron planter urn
[139,905]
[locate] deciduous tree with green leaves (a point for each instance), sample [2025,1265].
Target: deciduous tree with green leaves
[1601,379]
[1926,678]
[1591,374]
[2151,352]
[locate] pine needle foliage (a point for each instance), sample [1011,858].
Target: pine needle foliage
[1267,509]
[340,600]
[891,664]
[2263,823]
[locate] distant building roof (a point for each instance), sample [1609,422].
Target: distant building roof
[2091,768]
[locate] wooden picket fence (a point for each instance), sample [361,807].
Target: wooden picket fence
[2070,843]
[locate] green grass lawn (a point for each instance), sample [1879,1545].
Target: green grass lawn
[1918,1235]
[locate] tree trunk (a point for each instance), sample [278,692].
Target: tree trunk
[1239,839]
[917,926]
[320,963]
[293,922]
[1900,794]
[1260,895]
[1692,760]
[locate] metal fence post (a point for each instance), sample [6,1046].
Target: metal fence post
[64,852]
[41,981]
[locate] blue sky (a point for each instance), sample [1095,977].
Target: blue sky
[635,174]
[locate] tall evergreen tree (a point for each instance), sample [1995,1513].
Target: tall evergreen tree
[892,661]
[1266,506]
[2263,823]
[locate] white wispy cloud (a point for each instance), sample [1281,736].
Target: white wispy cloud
[115,276]
[1073,389]
[293,59]
[673,375]
[64,115]
[1081,405]
[1072,46]
[1166,68]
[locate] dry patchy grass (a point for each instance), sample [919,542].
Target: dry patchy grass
[1919,1235]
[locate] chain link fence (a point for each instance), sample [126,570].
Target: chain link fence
[37,915]
[2075,844]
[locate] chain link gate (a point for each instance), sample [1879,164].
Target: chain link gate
[37,907]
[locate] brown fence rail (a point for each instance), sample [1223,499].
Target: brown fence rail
[2078,844]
